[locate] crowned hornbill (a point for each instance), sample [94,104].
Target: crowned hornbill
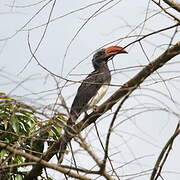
[94,87]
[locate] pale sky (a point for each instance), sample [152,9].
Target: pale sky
[142,135]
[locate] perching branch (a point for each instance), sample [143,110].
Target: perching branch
[127,88]
[130,86]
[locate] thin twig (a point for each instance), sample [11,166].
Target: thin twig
[110,131]
[164,154]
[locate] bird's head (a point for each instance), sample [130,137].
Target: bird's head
[105,54]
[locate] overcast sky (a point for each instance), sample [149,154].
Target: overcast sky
[142,135]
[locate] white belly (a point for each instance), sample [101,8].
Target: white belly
[100,94]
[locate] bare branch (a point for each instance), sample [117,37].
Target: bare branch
[42,162]
[175,5]
[170,14]
[86,147]
[164,154]
[110,131]
[6,168]
[21,28]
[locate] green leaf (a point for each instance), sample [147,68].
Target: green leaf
[15,125]
[49,178]
[2,154]
[19,159]
[19,177]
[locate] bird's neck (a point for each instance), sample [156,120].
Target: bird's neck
[102,66]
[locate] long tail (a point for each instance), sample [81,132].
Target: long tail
[67,136]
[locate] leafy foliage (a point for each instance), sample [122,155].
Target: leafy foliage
[21,127]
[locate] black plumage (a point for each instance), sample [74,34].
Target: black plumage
[95,84]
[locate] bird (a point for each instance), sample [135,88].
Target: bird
[95,85]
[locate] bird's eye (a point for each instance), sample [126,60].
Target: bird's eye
[99,54]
